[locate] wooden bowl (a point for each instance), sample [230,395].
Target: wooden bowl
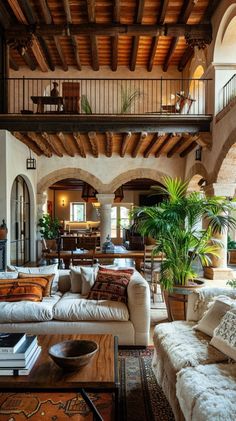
[73,354]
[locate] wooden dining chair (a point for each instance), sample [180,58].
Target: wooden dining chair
[71,97]
[150,269]
[87,259]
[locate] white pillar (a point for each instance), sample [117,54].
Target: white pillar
[219,268]
[106,201]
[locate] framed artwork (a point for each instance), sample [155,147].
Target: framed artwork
[49,207]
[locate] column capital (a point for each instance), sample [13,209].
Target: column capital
[220,189]
[105,199]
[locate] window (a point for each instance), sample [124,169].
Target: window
[77,211]
[119,219]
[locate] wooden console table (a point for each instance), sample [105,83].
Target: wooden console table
[47,100]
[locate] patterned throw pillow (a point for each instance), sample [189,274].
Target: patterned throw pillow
[224,337]
[22,289]
[111,285]
[46,286]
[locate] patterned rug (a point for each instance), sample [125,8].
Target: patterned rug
[141,399]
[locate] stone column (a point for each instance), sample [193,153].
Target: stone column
[106,201]
[219,268]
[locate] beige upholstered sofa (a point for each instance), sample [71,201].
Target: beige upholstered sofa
[198,380]
[68,312]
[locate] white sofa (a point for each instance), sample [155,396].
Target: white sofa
[66,312]
[198,380]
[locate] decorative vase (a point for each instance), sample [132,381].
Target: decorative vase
[3,230]
[177,300]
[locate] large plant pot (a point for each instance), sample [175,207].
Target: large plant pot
[176,300]
[51,244]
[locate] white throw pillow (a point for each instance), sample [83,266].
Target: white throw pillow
[76,279]
[224,337]
[8,275]
[88,275]
[214,314]
[44,270]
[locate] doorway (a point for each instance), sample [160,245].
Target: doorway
[20,223]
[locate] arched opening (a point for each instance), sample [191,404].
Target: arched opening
[197,92]
[20,227]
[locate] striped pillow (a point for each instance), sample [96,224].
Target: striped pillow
[111,285]
[47,286]
[19,290]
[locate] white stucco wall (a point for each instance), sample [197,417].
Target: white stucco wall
[13,156]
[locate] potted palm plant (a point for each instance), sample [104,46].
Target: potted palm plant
[174,223]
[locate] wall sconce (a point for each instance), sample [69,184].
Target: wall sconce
[198,154]
[30,163]
[63,202]
[96,206]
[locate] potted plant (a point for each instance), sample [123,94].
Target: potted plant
[174,223]
[49,230]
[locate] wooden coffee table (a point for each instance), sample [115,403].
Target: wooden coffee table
[99,375]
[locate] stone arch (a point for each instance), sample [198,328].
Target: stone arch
[133,174]
[225,41]
[195,174]
[225,164]
[63,173]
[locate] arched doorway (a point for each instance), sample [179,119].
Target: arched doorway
[20,222]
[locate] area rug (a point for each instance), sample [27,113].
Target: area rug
[141,399]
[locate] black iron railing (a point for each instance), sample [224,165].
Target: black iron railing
[107,96]
[228,92]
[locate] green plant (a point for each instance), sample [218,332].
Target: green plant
[174,224]
[85,105]
[231,244]
[128,98]
[49,227]
[231,283]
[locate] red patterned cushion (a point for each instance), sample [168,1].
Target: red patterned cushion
[111,285]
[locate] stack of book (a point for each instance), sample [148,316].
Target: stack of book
[18,353]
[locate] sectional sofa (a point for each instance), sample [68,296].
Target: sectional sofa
[198,379]
[67,310]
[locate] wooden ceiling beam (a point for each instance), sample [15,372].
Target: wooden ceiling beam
[183,18]
[93,140]
[54,143]
[46,53]
[204,139]
[29,61]
[180,142]
[60,53]
[66,144]
[125,142]
[45,11]
[79,143]
[38,55]
[139,144]
[152,53]
[151,145]
[73,38]
[168,29]
[5,18]
[109,143]
[13,64]
[136,39]
[164,6]
[190,147]
[47,143]
[161,144]
[185,58]
[115,39]
[28,142]
[155,39]
[92,36]
[40,141]
[211,9]
[187,10]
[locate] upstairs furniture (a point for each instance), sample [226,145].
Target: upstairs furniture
[41,101]
[150,269]
[71,97]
